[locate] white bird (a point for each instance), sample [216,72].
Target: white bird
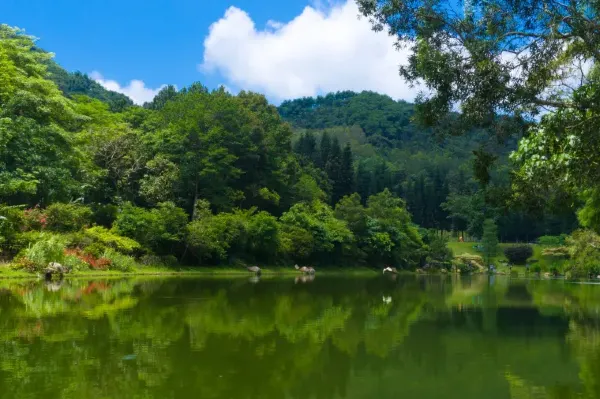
[387,299]
[390,270]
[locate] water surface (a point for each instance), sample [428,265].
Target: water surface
[332,337]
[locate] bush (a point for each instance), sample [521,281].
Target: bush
[11,221]
[158,229]
[49,248]
[118,261]
[67,217]
[75,263]
[34,219]
[584,246]
[105,215]
[151,260]
[212,237]
[518,254]
[553,241]
[438,253]
[99,239]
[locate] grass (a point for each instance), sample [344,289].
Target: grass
[545,262]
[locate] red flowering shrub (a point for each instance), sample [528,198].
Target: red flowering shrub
[34,219]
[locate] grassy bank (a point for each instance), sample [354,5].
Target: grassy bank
[545,262]
[7,272]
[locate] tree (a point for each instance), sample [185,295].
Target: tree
[494,57]
[489,240]
[345,181]
[325,149]
[37,160]
[504,62]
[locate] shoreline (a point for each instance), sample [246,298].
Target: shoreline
[7,273]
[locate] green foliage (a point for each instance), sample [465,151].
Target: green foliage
[210,238]
[329,234]
[584,246]
[106,238]
[11,222]
[48,248]
[67,217]
[554,241]
[78,83]
[118,261]
[263,236]
[489,240]
[158,229]
[518,254]
[74,263]
[76,155]
[438,254]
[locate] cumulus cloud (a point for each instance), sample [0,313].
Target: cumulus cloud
[136,89]
[319,51]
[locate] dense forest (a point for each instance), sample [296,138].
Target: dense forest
[442,177]
[201,177]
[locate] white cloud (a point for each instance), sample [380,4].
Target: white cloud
[319,51]
[136,89]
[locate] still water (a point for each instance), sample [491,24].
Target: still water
[332,337]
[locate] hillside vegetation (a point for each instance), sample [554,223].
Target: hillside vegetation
[201,177]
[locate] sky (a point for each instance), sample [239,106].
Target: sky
[283,49]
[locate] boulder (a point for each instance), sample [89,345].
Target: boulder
[55,268]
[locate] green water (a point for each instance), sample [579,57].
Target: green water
[333,337]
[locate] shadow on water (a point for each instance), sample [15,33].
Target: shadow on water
[300,337]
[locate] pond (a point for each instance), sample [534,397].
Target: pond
[331,337]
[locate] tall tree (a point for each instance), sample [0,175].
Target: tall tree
[325,149]
[346,176]
[489,240]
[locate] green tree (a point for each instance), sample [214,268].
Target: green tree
[493,57]
[489,240]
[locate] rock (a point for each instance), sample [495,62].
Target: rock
[55,268]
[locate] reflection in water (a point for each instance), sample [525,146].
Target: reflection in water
[415,337]
[305,278]
[254,279]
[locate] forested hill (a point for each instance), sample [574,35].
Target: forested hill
[448,181]
[77,83]
[376,114]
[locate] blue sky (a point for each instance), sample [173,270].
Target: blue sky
[284,49]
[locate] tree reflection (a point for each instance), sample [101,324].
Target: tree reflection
[334,337]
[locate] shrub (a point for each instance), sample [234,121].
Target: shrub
[554,241]
[263,235]
[438,253]
[518,254]
[75,263]
[119,261]
[96,262]
[105,215]
[67,217]
[11,220]
[212,237]
[157,229]
[584,246]
[100,239]
[151,260]
[49,248]
[34,219]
